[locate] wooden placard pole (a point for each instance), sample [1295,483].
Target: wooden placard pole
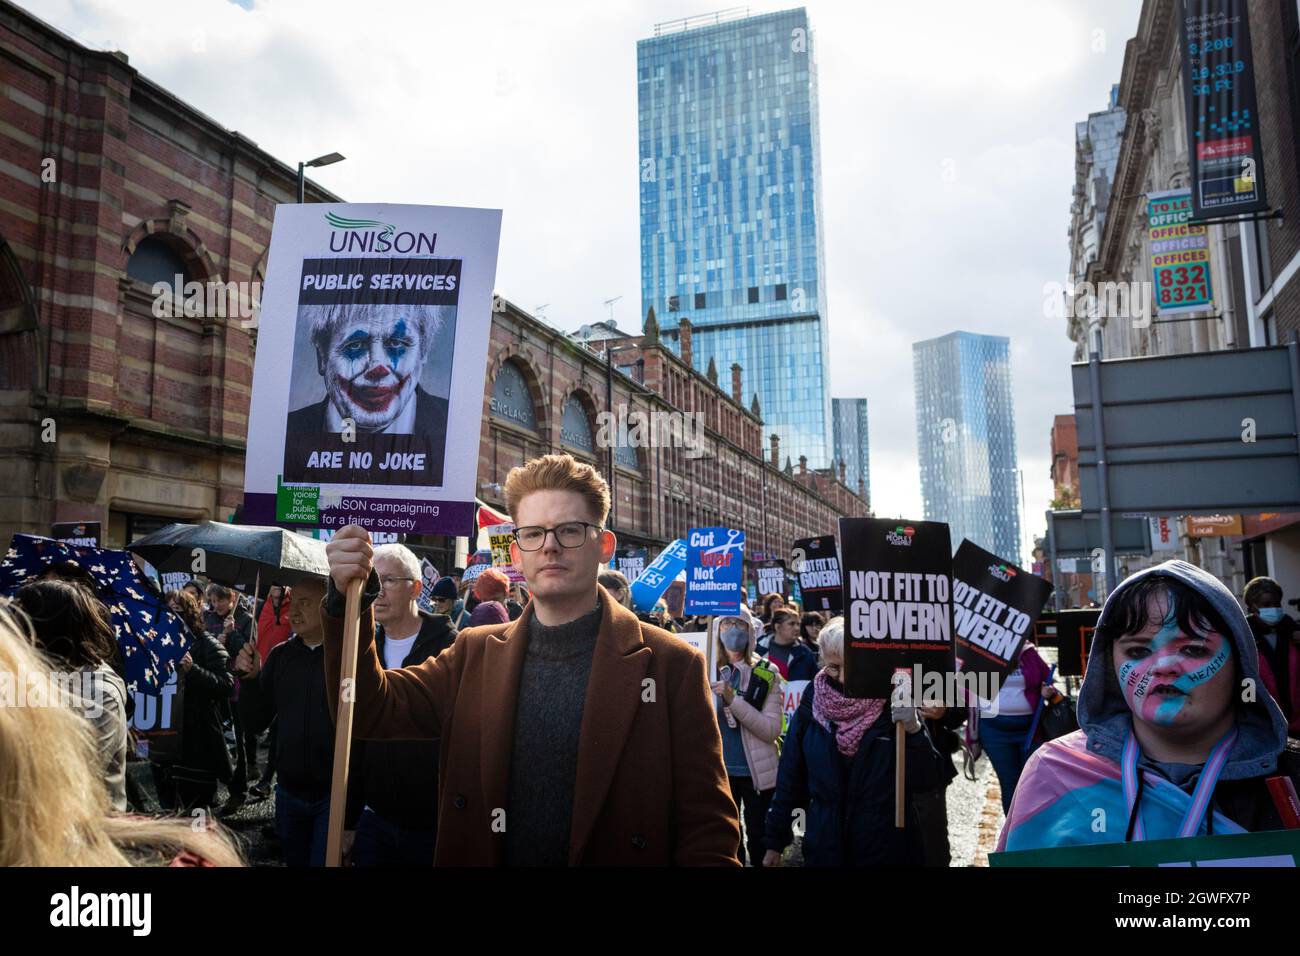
[903,695]
[900,743]
[343,722]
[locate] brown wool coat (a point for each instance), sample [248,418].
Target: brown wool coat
[651,787]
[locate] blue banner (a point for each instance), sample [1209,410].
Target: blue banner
[654,580]
[715,559]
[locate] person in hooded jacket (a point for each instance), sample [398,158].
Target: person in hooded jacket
[749,717]
[1178,734]
[1278,639]
[837,765]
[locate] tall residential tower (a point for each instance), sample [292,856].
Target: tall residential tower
[966,439]
[731,211]
[851,447]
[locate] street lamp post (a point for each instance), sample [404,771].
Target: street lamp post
[329,159]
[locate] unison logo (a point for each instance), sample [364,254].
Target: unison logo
[371,235]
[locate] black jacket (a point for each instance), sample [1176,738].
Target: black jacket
[398,779]
[849,800]
[292,688]
[208,685]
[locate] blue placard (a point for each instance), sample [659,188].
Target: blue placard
[654,580]
[715,559]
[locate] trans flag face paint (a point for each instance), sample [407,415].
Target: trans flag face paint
[1163,672]
[372,369]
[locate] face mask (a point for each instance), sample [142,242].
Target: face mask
[735,639]
[1271,615]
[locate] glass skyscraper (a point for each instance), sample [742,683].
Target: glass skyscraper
[850,433]
[966,439]
[731,209]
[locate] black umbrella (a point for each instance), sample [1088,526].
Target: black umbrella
[234,554]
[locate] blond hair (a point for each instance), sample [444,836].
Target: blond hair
[558,473]
[54,808]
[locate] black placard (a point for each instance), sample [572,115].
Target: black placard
[897,610]
[769,577]
[994,606]
[1223,124]
[817,563]
[82,534]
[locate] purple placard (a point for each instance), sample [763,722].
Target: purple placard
[454,518]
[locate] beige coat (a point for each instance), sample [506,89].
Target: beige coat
[759,729]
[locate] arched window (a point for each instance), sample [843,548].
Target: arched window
[625,456]
[575,427]
[511,399]
[155,260]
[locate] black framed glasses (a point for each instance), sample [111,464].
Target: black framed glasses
[570,534]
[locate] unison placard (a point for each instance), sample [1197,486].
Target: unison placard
[372,339]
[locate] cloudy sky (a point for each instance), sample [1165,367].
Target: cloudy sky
[947,132]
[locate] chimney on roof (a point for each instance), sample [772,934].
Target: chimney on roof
[735,384]
[776,450]
[842,471]
[684,336]
[803,464]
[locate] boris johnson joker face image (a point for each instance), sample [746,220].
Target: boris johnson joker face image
[370,359]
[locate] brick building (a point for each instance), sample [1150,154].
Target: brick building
[661,490]
[112,413]
[110,183]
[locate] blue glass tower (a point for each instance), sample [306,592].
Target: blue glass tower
[966,439]
[849,429]
[731,210]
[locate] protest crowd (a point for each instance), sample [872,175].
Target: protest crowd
[549,722]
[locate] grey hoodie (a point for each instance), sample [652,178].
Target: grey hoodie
[1104,715]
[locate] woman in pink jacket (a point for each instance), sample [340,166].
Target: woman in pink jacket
[749,717]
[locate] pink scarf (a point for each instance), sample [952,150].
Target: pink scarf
[851,715]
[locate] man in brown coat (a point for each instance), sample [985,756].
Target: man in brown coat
[573,735]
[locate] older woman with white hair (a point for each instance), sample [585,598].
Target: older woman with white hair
[837,765]
[749,716]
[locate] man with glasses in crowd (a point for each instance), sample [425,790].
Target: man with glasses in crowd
[392,810]
[573,735]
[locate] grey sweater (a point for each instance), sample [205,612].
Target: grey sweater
[544,759]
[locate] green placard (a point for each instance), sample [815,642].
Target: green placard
[297,502]
[1269,848]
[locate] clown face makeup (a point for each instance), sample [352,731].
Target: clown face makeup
[371,366]
[1171,678]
